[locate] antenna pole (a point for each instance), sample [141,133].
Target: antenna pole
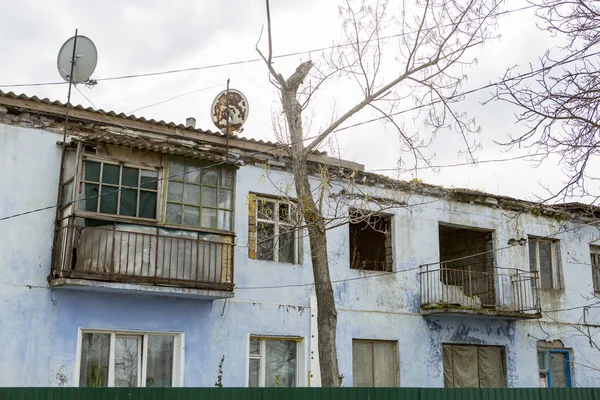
[66,127]
[227,126]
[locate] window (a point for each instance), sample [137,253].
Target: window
[373,363]
[198,195]
[273,230]
[129,359]
[273,362]
[473,366]
[370,241]
[595,260]
[555,368]
[120,190]
[543,259]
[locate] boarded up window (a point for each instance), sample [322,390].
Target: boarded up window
[595,260]
[473,366]
[370,242]
[373,363]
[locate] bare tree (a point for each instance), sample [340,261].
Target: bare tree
[433,37]
[559,100]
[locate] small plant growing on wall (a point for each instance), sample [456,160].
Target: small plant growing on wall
[219,382]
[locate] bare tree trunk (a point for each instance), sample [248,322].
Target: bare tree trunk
[327,315]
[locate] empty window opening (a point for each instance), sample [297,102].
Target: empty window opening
[467,262]
[473,366]
[370,241]
[543,259]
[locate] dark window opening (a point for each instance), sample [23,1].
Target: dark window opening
[467,261]
[370,242]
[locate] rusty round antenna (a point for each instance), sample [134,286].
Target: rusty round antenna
[233,102]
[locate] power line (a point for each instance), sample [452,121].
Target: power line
[254,60]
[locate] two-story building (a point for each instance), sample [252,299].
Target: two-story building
[177,258]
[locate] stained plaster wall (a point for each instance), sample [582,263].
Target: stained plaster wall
[40,325]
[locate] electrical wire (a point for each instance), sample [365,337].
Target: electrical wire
[254,60]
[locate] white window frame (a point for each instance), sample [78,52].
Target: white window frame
[556,282]
[102,161]
[262,357]
[178,354]
[276,224]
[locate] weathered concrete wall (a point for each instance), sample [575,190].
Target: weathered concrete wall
[40,326]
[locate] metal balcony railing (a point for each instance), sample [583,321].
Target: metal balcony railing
[143,254]
[507,290]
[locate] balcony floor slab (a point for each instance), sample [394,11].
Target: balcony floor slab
[139,288]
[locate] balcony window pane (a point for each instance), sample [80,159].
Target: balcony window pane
[110,174]
[209,218]
[175,192]
[160,361]
[91,197]
[174,213]
[94,360]
[225,198]
[128,202]
[147,204]
[209,176]
[108,200]
[193,173]
[546,264]
[226,178]
[191,195]
[149,179]
[209,197]
[225,220]
[92,171]
[191,215]
[176,170]
[130,177]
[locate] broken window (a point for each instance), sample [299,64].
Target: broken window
[373,363]
[595,261]
[273,233]
[467,265]
[120,190]
[473,366]
[273,362]
[370,241]
[115,359]
[200,195]
[544,261]
[555,367]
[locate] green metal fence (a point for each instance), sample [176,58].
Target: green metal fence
[295,394]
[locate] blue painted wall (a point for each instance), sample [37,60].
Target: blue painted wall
[40,326]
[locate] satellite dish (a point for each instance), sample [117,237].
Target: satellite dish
[238,110]
[86,58]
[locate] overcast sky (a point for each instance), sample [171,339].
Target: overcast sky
[138,36]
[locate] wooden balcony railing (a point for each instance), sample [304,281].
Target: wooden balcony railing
[143,254]
[505,290]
